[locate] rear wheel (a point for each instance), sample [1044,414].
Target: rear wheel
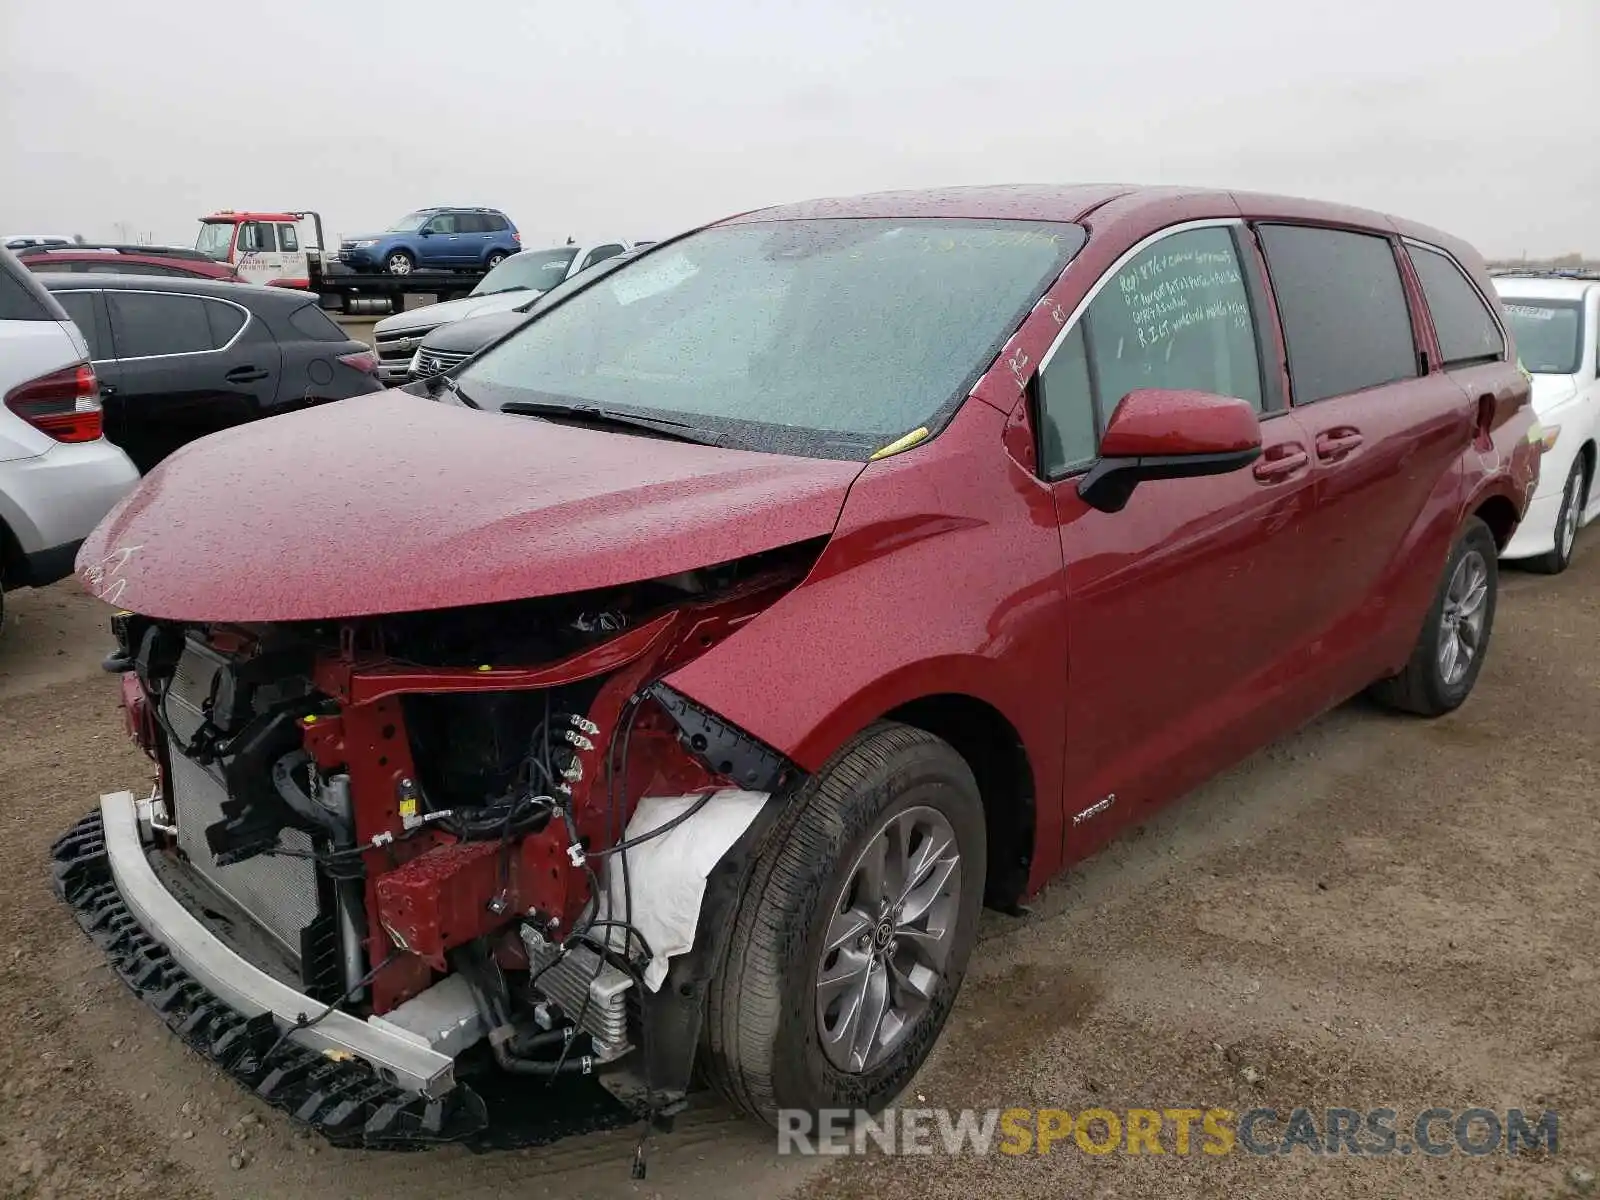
[400,263]
[496,257]
[1573,499]
[853,933]
[1455,636]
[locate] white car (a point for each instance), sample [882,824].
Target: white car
[1555,319]
[58,474]
[512,282]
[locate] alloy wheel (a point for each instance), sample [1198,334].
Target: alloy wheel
[1461,622]
[888,939]
[399,264]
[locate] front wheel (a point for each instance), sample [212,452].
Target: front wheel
[399,263]
[853,932]
[1573,498]
[1455,636]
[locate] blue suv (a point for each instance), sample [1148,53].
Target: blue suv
[453,239]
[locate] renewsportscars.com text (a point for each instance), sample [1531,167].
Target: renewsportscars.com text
[1174,1131]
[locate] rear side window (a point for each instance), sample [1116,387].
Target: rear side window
[150,323]
[1467,332]
[22,298]
[310,321]
[80,307]
[225,321]
[1343,308]
[1176,316]
[496,223]
[600,254]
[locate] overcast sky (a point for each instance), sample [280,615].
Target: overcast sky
[601,118]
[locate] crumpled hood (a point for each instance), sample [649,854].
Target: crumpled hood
[430,315]
[394,503]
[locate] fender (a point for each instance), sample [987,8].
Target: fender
[937,580]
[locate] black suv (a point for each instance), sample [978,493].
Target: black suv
[180,358]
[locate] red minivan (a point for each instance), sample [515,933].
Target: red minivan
[672,683]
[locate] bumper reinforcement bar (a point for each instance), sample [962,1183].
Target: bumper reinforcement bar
[100,870]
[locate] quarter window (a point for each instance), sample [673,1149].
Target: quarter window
[80,307]
[225,321]
[1345,320]
[1177,316]
[1467,332]
[1066,402]
[150,323]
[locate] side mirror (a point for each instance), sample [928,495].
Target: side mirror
[1157,434]
[425,232]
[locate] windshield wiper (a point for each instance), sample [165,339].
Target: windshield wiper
[437,383]
[593,415]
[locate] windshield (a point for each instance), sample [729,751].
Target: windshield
[539,270]
[826,337]
[215,240]
[1547,334]
[410,223]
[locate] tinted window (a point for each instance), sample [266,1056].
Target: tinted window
[146,323]
[1176,316]
[288,239]
[21,297]
[495,223]
[1466,330]
[310,321]
[257,236]
[1343,309]
[132,268]
[600,254]
[1066,406]
[225,321]
[80,307]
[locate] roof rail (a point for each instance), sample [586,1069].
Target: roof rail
[1547,272]
[113,248]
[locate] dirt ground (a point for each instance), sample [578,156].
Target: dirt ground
[1376,912]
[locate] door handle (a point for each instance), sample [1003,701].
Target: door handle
[245,375]
[1271,470]
[1336,443]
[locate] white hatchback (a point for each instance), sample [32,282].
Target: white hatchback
[1556,322]
[58,475]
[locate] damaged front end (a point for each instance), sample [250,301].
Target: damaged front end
[390,863]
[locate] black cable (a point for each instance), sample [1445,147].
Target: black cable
[300,1021]
[658,830]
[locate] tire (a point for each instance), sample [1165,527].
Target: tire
[496,257]
[1573,499]
[1425,686]
[399,262]
[764,1047]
